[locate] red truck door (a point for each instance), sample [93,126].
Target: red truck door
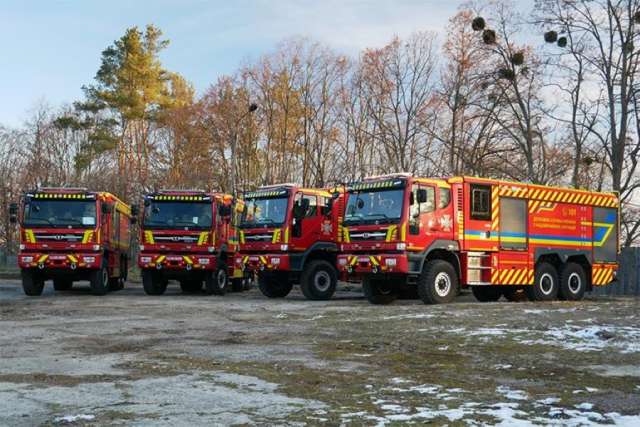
[306,229]
[514,260]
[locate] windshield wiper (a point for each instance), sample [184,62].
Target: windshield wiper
[67,221]
[44,220]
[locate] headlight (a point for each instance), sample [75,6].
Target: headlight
[145,259]
[342,261]
[275,261]
[401,246]
[284,247]
[203,261]
[211,249]
[390,262]
[27,259]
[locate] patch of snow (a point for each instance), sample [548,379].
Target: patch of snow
[591,389]
[586,406]
[398,380]
[511,394]
[410,316]
[282,316]
[502,366]
[548,401]
[624,339]
[68,419]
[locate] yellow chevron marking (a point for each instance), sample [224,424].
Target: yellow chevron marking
[203,238]
[148,237]
[86,237]
[31,238]
[374,261]
[392,228]
[187,259]
[72,259]
[286,235]
[354,260]
[42,259]
[160,259]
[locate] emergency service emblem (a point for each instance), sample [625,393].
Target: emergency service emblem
[445,222]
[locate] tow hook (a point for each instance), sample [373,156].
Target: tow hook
[41,266]
[73,266]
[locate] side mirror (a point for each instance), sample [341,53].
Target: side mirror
[329,208]
[135,210]
[298,212]
[13,213]
[133,220]
[105,208]
[305,205]
[422,195]
[335,195]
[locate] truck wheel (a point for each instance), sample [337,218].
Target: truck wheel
[216,284]
[486,293]
[545,286]
[153,283]
[438,282]
[318,281]
[32,283]
[573,282]
[274,287]
[191,286]
[378,291]
[99,281]
[62,285]
[515,294]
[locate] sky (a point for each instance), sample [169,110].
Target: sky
[50,48]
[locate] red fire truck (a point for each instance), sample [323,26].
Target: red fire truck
[70,234]
[288,236]
[497,237]
[189,236]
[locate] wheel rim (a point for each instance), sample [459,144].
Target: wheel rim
[575,283]
[222,279]
[322,281]
[443,284]
[546,283]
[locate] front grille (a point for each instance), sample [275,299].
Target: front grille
[175,239]
[368,235]
[68,237]
[263,237]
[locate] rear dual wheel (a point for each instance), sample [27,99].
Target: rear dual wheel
[153,283]
[378,291]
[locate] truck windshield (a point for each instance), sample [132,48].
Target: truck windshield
[368,207]
[269,212]
[183,215]
[47,213]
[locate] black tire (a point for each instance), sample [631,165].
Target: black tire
[191,286]
[545,285]
[153,283]
[216,283]
[491,293]
[99,281]
[237,285]
[515,294]
[438,282]
[274,286]
[247,282]
[573,282]
[62,285]
[32,283]
[318,280]
[378,291]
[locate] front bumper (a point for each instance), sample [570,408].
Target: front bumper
[262,262]
[60,260]
[205,262]
[357,264]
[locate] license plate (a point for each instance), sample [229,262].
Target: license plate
[57,257]
[363,259]
[253,258]
[174,258]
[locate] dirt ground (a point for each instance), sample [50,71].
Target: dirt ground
[182,360]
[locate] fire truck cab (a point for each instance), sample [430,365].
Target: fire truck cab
[71,234]
[499,238]
[288,236]
[189,236]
